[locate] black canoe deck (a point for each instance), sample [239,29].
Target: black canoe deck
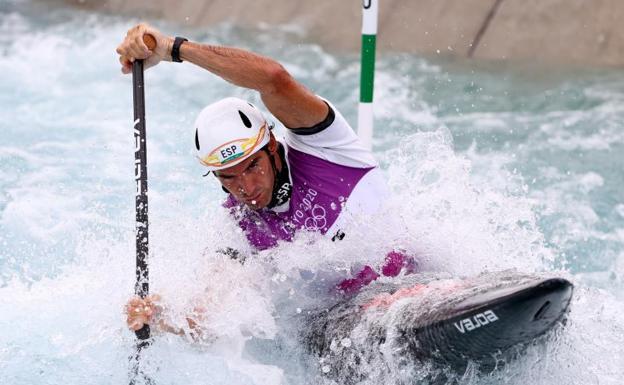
[493,322]
[448,322]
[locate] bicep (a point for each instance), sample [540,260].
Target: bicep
[292,103]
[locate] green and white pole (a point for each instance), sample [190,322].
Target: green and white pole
[367,75]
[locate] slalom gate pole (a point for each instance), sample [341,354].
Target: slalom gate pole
[141,287]
[367,74]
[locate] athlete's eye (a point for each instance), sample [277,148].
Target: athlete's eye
[253,165]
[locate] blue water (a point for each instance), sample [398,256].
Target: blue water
[492,166]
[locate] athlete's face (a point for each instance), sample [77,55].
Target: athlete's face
[250,181]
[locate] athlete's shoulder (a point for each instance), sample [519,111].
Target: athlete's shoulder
[333,140]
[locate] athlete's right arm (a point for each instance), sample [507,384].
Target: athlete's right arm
[287,99]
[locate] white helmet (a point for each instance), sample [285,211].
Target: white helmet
[229,131]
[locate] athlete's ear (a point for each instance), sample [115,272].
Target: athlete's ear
[272,145]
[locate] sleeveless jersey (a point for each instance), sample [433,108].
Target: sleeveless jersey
[333,175]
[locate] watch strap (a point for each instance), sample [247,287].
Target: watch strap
[175,50]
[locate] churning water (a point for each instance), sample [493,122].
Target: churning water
[491,168]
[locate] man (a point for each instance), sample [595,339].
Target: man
[314,181]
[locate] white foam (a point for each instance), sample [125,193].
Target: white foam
[67,201]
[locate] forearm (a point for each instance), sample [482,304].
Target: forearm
[164,327]
[237,66]
[194,331]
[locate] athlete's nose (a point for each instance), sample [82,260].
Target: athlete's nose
[246,185]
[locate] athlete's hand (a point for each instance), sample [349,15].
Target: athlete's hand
[133,47]
[142,311]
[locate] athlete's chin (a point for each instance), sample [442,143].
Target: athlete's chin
[259,202]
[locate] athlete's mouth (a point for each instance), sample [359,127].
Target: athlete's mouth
[254,200]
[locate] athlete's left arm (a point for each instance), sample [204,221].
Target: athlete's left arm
[287,99]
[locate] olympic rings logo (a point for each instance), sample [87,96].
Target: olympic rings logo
[318,220]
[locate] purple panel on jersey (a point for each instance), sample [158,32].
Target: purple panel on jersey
[320,189]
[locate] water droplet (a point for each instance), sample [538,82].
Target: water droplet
[333,206]
[346,342]
[326,369]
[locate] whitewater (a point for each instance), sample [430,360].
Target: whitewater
[491,166]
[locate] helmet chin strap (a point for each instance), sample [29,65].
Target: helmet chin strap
[282,186]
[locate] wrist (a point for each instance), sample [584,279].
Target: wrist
[175,49]
[168,43]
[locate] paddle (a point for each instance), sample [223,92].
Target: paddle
[141,287]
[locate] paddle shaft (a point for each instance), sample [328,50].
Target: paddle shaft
[140,175]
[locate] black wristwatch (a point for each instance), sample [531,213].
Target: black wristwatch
[175,50]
